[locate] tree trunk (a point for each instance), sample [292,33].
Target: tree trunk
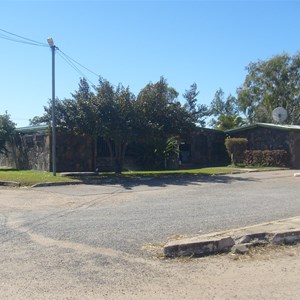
[117,156]
[120,156]
[110,148]
[232,156]
[95,142]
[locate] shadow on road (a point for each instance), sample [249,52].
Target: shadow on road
[164,181]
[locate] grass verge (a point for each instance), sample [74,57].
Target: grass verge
[31,177]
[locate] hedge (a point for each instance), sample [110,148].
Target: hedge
[235,148]
[267,158]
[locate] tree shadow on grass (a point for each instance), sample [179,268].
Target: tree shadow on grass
[8,169]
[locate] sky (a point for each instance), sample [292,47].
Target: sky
[209,43]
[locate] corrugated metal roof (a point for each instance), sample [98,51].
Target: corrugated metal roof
[31,129]
[45,128]
[267,125]
[204,129]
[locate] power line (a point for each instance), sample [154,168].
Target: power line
[71,59]
[19,41]
[13,37]
[68,61]
[23,40]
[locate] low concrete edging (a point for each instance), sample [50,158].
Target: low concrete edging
[10,183]
[238,245]
[59,183]
[198,248]
[287,238]
[78,174]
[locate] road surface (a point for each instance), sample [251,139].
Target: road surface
[103,241]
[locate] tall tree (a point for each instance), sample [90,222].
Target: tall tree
[154,106]
[269,84]
[197,112]
[113,113]
[160,117]
[109,113]
[225,112]
[115,110]
[75,113]
[7,127]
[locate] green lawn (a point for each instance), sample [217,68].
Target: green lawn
[202,171]
[30,177]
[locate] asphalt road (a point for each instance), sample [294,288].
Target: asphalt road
[126,217]
[115,225]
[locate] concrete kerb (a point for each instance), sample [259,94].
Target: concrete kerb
[238,241]
[59,183]
[41,184]
[10,183]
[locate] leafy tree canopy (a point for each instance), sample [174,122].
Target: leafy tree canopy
[160,114]
[161,118]
[197,112]
[7,127]
[269,84]
[116,115]
[225,112]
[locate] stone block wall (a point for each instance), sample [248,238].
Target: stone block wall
[27,152]
[294,143]
[207,148]
[32,151]
[262,138]
[74,153]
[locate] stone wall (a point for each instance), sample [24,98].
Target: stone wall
[74,153]
[27,152]
[263,138]
[206,147]
[32,151]
[294,144]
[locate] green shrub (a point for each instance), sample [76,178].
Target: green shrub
[235,148]
[267,158]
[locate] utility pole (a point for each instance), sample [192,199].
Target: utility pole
[53,48]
